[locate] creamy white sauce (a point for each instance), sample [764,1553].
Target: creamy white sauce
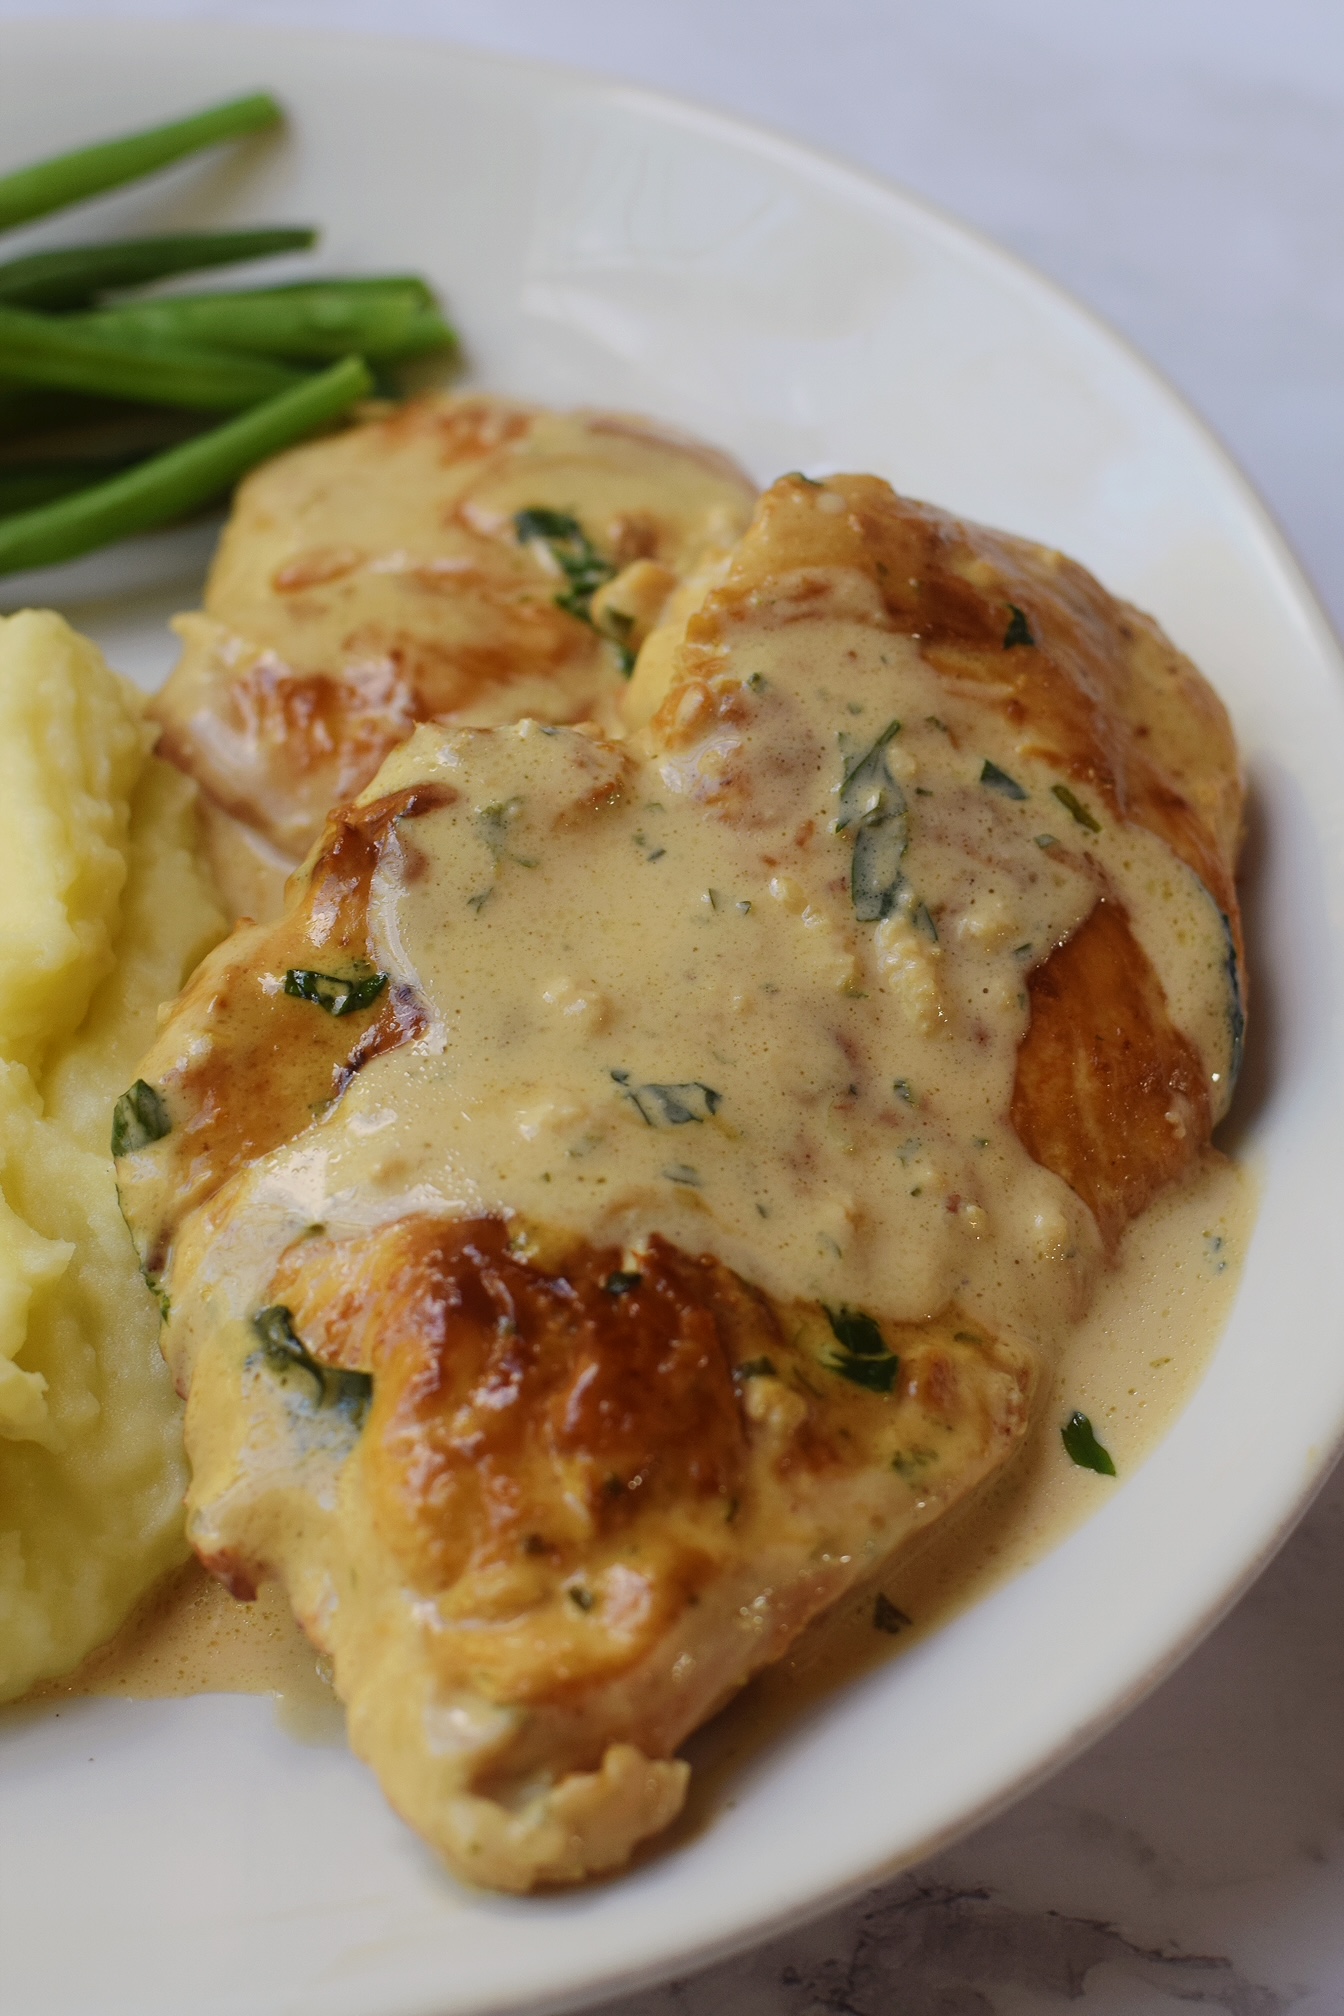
[655,1008]
[1131,1366]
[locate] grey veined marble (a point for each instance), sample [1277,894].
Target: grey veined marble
[1193,1860]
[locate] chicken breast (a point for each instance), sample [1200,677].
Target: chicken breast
[638,1184]
[463,559]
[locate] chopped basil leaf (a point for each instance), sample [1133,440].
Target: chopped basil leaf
[924,923]
[755,1368]
[858,1333]
[349,1393]
[584,568]
[682,1172]
[621,1284]
[886,1616]
[338,993]
[1018,631]
[873,805]
[1046,840]
[582,1599]
[1075,807]
[1083,1447]
[863,1358]
[998,780]
[139,1117]
[670,1105]
[904,1090]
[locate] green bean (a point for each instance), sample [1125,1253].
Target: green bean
[318,319]
[71,178]
[68,356]
[76,276]
[23,486]
[170,485]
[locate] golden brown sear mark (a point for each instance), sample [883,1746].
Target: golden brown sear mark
[1109,1095]
[275,1060]
[1090,684]
[522,1408]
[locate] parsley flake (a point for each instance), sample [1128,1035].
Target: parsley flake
[1082,1446]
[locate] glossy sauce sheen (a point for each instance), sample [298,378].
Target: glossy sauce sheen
[1132,1365]
[805,1053]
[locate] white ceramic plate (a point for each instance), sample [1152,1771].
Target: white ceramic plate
[599,244]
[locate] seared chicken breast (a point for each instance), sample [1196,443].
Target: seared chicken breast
[466,559]
[636,1184]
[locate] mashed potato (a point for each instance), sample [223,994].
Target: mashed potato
[104,909]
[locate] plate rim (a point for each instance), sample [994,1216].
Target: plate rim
[844,178]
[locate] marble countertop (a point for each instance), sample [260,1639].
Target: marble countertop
[1179,165]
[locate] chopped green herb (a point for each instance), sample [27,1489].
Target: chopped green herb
[1046,840]
[873,805]
[924,923]
[670,1105]
[966,1337]
[1018,631]
[494,822]
[138,1118]
[338,993]
[864,1357]
[1075,807]
[904,1090]
[998,780]
[1083,1447]
[682,1172]
[621,1284]
[582,1599]
[909,1463]
[755,1368]
[349,1393]
[886,1616]
[584,568]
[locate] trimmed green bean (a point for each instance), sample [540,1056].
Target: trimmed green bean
[88,171]
[77,275]
[322,319]
[170,485]
[68,356]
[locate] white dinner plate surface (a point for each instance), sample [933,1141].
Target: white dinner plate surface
[600,245]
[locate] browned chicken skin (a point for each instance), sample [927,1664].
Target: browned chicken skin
[378,578]
[635,1185]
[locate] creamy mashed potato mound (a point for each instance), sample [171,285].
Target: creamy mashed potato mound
[104,909]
